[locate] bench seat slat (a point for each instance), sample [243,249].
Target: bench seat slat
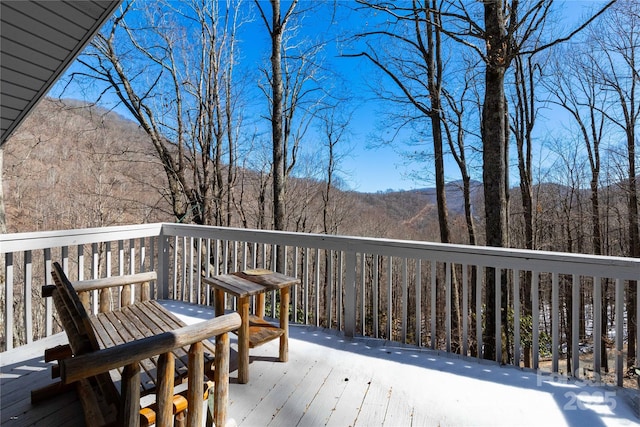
[120,332]
[153,319]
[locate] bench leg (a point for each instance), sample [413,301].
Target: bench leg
[284,324]
[243,341]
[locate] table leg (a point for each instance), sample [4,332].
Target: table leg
[219,302]
[260,305]
[243,341]
[284,324]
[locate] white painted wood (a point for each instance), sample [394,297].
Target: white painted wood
[363,293]
[329,289]
[535,314]
[323,398]
[419,302]
[8,301]
[619,313]
[447,282]
[478,286]
[575,326]
[27,292]
[555,321]
[374,406]
[497,312]
[350,294]
[405,299]
[516,317]
[389,298]
[433,290]
[597,325]
[48,304]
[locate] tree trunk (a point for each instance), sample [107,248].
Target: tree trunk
[634,250]
[493,144]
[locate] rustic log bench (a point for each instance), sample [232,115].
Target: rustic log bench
[143,347]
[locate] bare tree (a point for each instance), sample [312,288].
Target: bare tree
[618,38]
[414,62]
[176,79]
[576,88]
[507,30]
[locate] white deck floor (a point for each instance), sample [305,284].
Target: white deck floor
[330,380]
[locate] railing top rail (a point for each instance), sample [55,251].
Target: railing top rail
[527,260]
[15,242]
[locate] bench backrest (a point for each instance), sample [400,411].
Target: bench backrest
[82,340]
[72,313]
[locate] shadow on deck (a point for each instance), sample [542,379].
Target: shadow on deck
[332,380]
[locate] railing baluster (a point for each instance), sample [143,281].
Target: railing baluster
[405,298]
[176,250]
[465,310]
[555,321]
[48,304]
[64,254]
[317,290]
[339,288]
[575,326]
[535,319]
[363,294]
[516,316]
[198,272]
[478,286]
[390,298]
[619,301]
[376,295]
[447,304]
[418,302]
[190,268]
[497,283]
[120,291]
[28,308]
[329,287]
[8,301]
[305,287]
[295,290]
[350,294]
[597,326]
[434,292]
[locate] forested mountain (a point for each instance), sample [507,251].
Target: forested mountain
[74,166]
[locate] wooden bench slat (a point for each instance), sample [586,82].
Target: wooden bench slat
[121,333]
[156,321]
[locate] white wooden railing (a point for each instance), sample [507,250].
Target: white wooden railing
[391,289]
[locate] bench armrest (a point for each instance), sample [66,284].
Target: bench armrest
[110,282]
[97,362]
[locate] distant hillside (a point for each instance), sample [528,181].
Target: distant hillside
[72,166]
[455,196]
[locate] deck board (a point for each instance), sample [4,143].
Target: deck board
[333,381]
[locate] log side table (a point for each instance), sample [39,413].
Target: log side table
[254,330]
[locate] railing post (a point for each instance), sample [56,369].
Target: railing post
[8,301]
[162,283]
[350,295]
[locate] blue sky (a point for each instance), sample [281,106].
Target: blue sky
[369,166]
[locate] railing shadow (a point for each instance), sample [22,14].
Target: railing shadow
[581,403]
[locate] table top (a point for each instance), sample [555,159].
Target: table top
[250,282]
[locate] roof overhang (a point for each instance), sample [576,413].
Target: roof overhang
[38,42]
